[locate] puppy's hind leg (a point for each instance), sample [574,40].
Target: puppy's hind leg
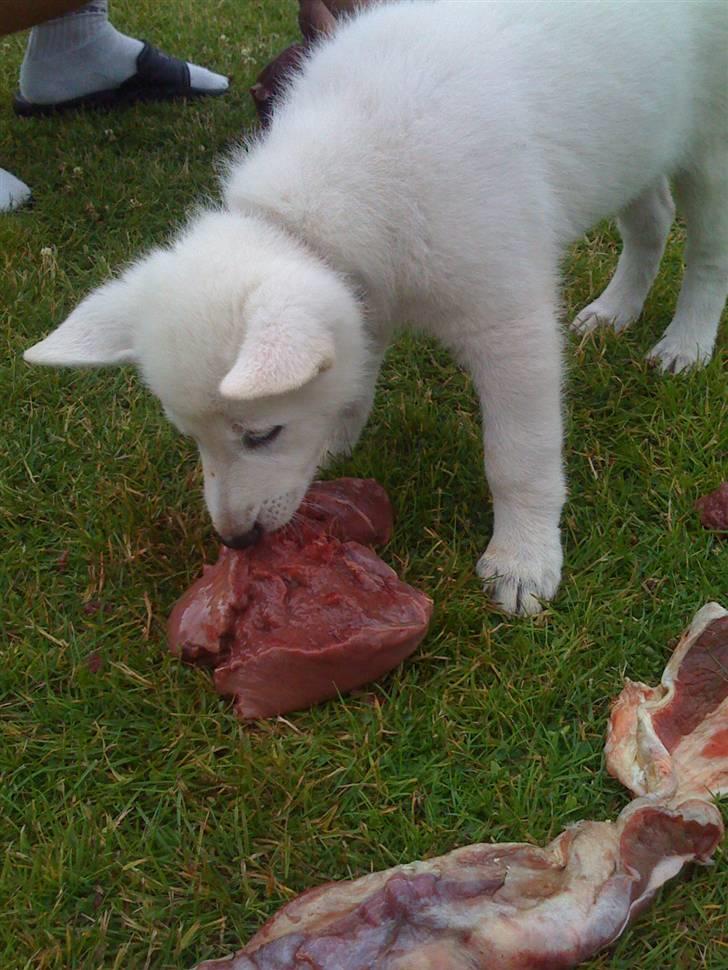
[644,226]
[517,371]
[702,195]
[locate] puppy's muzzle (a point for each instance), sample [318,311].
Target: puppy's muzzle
[244,539]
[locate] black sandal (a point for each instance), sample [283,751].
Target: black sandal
[158,77]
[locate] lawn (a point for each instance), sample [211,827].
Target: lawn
[142,825]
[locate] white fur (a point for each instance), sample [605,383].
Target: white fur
[428,168]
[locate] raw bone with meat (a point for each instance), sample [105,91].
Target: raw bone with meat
[516,906]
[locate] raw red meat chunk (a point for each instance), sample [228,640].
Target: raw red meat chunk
[303,616]
[713,509]
[351,509]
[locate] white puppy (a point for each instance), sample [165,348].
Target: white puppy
[428,168]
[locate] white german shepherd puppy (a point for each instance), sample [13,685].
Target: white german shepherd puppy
[428,168]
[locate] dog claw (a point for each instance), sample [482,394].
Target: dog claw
[520,591]
[673,358]
[595,317]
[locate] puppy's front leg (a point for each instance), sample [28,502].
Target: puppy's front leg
[517,371]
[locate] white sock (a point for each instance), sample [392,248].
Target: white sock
[13,192]
[81,53]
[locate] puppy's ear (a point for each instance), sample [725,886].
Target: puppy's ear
[278,357]
[98,333]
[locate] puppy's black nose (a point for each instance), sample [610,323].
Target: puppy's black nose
[243,539]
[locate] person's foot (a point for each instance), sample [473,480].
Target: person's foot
[13,192]
[82,59]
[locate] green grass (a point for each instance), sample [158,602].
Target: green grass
[142,825]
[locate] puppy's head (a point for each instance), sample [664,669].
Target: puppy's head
[253,346]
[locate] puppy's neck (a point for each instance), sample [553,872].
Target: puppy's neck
[373,310]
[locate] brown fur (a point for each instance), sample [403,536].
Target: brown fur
[315,18]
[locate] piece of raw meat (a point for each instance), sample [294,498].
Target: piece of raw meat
[515,906]
[671,741]
[351,509]
[354,509]
[713,509]
[303,616]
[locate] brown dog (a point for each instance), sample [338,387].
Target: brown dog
[315,18]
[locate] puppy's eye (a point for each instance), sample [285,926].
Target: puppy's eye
[256,439]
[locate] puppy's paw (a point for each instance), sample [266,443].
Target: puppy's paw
[601,314]
[672,356]
[521,582]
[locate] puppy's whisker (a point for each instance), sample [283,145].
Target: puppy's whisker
[296,525]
